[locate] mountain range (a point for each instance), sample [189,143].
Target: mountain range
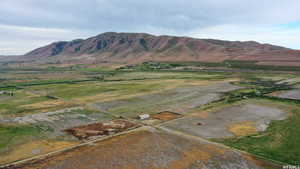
[140,47]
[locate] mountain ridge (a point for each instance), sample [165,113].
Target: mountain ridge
[138,47]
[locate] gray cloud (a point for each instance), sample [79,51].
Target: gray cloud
[180,17]
[177,15]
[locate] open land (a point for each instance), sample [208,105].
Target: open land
[87,118]
[149,148]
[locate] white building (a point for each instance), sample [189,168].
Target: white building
[144,116]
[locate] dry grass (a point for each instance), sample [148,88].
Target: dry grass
[191,157]
[135,150]
[47,104]
[141,149]
[243,129]
[34,148]
[208,82]
[262,163]
[197,82]
[215,149]
[117,95]
[202,114]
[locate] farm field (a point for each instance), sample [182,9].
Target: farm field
[94,110]
[150,148]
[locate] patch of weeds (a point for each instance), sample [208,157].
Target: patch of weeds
[10,135]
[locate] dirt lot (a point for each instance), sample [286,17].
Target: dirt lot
[149,149]
[236,120]
[166,116]
[292,94]
[100,129]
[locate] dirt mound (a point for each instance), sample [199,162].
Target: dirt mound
[98,129]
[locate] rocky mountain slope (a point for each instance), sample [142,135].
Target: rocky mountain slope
[138,47]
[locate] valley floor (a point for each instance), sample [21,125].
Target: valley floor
[89,118]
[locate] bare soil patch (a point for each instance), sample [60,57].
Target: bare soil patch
[292,94]
[166,116]
[99,129]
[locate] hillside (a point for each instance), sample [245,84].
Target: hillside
[4,58]
[138,47]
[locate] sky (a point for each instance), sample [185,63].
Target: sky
[28,24]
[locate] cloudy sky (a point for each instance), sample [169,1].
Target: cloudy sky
[27,24]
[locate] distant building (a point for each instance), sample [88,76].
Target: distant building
[144,116]
[6,93]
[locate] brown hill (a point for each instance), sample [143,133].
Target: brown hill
[138,47]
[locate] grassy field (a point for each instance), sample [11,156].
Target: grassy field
[26,101]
